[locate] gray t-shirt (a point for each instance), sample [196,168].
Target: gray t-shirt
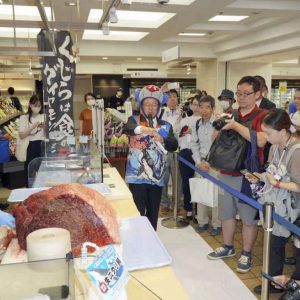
[293,167]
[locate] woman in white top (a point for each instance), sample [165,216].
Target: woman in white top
[184,127]
[32,126]
[295,117]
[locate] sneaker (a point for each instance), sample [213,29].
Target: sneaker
[244,264]
[216,231]
[221,252]
[201,228]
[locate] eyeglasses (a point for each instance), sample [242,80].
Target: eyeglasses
[296,98]
[244,95]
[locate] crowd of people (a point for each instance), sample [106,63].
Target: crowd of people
[190,129]
[161,126]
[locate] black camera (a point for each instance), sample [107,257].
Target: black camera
[186,111]
[220,123]
[293,291]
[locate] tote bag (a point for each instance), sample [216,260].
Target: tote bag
[22,145]
[203,191]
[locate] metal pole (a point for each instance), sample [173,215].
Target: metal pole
[175,221]
[268,227]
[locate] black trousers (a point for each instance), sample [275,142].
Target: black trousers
[186,173]
[277,254]
[34,150]
[147,200]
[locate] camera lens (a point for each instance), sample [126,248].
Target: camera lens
[220,123]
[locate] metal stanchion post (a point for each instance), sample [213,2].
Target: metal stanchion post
[268,227]
[175,221]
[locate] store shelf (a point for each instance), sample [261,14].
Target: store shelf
[3,121]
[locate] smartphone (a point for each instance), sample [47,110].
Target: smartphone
[271,279]
[173,85]
[246,172]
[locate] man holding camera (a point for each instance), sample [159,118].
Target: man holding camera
[248,91]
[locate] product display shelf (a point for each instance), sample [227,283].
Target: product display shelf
[8,118]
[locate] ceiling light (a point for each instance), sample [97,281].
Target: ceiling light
[105,28]
[104,58]
[126,2]
[113,18]
[70,3]
[134,19]
[23,13]
[139,58]
[188,68]
[113,35]
[191,34]
[227,18]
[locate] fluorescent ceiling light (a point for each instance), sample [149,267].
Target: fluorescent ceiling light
[139,58]
[8,32]
[113,35]
[104,58]
[70,3]
[191,34]
[291,61]
[23,13]
[137,19]
[171,2]
[227,18]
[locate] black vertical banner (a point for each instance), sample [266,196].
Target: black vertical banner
[58,74]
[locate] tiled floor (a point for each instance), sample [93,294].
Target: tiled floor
[251,278]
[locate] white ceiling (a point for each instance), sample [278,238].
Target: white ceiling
[271,33]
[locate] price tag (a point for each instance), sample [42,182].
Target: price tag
[108,274]
[71,140]
[83,139]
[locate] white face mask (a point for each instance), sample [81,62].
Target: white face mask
[225,104]
[36,110]
[90,102]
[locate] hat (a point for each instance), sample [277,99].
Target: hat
[227,93]
[151,91]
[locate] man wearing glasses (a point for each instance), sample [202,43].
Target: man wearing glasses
[248,91]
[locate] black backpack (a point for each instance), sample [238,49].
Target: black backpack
[229,149]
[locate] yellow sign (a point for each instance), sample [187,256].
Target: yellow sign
[282,87]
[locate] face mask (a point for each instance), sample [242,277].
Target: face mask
[90,102]
[225,104]
[35,110]
[119,94]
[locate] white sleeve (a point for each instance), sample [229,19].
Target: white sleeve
[195,145]
[23,123]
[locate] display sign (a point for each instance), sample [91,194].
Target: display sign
[58,74]
[170,54]
[108,274]
[282,87]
